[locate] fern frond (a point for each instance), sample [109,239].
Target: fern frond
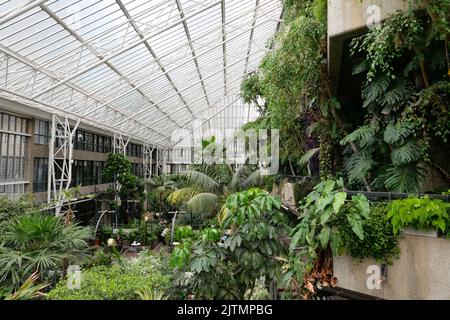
[201,181]
[361,67]
[205,204]
[308,156]
[255,179]
[358,166]
[182,195]
[239,177]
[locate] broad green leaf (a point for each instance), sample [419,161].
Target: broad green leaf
[335,242]
[362,204]
[325,216]
[322,203]
[329,186]
[339,200]
[324,237]
[356,224]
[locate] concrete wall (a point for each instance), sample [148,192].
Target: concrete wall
[347,19]
[422,271]
[349,15]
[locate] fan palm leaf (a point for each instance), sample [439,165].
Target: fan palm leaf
[205,204]
[182,195]
[202,181]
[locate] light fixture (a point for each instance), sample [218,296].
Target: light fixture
[111,242]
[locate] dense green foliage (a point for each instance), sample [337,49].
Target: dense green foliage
[118,168]
[291,83]
[380,241]
[121,281]
[420,213]
[11,210]
[205,186]
[321,211]
[257,230]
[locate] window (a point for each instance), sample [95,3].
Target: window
[41,132]
[88,173]
[88,141]
[134,150]
[12,153]
[138,170]
[40,174]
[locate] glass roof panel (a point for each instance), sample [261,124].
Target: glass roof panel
[143,68]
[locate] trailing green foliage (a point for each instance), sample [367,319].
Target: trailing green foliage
[380,242]
[420,213]
[290,81]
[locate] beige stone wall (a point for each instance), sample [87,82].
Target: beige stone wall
[421,272]
[349,15]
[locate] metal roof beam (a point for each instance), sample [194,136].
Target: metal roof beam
[17,11]
[147,45]
[99,56]
[30,64]
[224,47]
[124,50]
[157,121]
[191,46]
[252,32]
[150,80]
[212,116]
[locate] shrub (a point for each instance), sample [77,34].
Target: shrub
[10,210]
[420,213]
[125,281]
[380,241]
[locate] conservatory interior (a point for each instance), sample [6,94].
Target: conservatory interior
[224,149]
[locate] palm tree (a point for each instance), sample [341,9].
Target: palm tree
[207,185]
[39,243]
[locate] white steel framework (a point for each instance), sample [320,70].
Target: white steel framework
[60,159]
[120,143]
[139,68]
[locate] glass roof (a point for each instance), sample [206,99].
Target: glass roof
[141,68]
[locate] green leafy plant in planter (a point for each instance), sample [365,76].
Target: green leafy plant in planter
[419,213]
[380,242]
[317,235]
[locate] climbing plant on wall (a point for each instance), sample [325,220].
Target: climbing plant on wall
[405,98]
